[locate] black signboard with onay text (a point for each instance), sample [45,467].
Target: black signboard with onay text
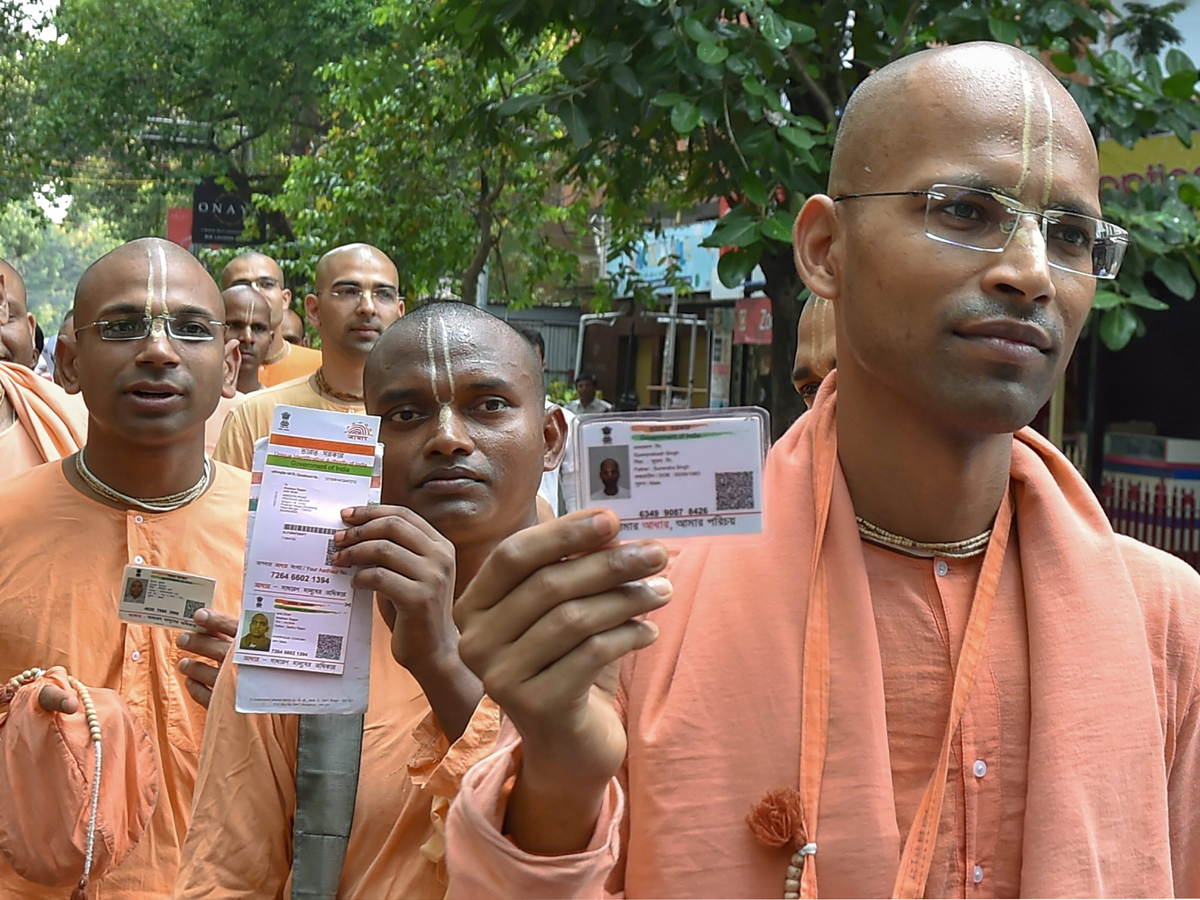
[218,215]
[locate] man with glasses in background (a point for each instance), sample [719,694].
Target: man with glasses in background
[939,672]
[284,360]
[357,296]
[149,354]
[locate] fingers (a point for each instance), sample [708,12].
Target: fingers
[205,645]
[358,516]
[54,699]
[583,576]
[526,552]
[199,692]
[575,673]
[588,622]
[396,558]
[216,622]
[199,671]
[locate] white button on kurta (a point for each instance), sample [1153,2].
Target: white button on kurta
[980,768]
[135,655]
[941,568]
[978,876]
[139,560]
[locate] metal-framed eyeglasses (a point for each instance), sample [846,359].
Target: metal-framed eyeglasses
[188,328]
[986,220]
[263,283]
[353,293]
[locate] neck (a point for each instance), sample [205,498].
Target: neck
[343,375]
[913,477]
[277,343]
[140,470]
[249,382]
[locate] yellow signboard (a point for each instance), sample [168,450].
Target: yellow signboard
[1151,159]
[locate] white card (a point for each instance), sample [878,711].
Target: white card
[152,596]
[675,474]
[297,605]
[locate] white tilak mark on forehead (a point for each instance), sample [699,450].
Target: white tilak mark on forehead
[149,281]
[433,370]
[162,268]
[1049,185]
[1027,128]
[446,411]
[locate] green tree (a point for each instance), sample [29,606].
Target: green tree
[675,102]
[435,159]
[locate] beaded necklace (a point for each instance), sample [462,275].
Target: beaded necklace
[324,388]
[168,503]
[283,352]
[925,550]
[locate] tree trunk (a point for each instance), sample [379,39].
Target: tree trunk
[783,286]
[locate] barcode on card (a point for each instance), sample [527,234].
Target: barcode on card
[329,646]
[735,490]
[330,549]
[307,529]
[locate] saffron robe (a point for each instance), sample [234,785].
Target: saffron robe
[50,422]
[58,607]
[1103,690]
[296,363]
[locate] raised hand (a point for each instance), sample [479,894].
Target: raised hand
[212,641]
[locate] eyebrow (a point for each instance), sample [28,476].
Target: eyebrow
[802,372]
[980,183]
[403,394]
[359,283]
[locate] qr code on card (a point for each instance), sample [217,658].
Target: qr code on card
[191,607]
[329,646]
[735,490]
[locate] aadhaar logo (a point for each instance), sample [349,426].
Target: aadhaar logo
[358,431]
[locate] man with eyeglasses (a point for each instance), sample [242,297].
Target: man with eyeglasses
[939,672]
[357,296]
[284,361]
[39,422]
[149,354]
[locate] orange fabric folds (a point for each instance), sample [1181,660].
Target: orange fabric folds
[55,422]
[46,772]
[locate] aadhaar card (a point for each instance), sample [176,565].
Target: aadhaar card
[296,605]
[675,474]
[152,596]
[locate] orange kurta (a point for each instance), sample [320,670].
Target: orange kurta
[1085,714]
[50,423]
[251,419]
[240,843]
[212,427]
[297,362]
[60,576]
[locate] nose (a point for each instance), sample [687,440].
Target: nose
[366,304]
[452,437]
[1023,269]
[244,335]
[157,347]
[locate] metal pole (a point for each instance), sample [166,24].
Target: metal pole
[669,352]
[692,364]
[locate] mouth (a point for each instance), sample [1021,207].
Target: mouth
[154,394]
[450,480]
[1009,339]
[366,330]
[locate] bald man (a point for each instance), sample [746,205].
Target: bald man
[149,355]
[816,350]
[939,673]
[39,422]
[283,361]
[467,438]
[248,321]
[356,298]
[292,327]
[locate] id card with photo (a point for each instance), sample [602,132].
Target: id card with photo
[151,596]
[296,604]
[675,474]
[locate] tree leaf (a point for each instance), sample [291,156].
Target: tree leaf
[520,103]
[773,29]
[649,4]
[735,266]
[779,227]
[1107,300]
[1177,61]
[626,80]
[1175,276]
[693,28]
[752,86]
[1117,327]
[1147,301]
[685,116]
[1189,193]
[1003,31]
[1118,65]
[576,124]
[1063,62]
[1057,15]
[755,189]
[711,54]
[797,137]
[1180,85]
[739,228]
[667,99]
[801,33]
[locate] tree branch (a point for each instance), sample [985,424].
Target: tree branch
[798,65]
[902,36]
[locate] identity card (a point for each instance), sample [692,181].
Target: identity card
[151,596]
[296,605]
[675,474]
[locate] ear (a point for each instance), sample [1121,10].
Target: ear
[287,298]
[66,363]
[32,327]
[402,310]
[813,241]
[554,432]
[312,311]
[233,362]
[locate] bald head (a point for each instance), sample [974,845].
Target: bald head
[249,259]
[905,107]
[353,257]
[157,269]
[17,341]
[14,287]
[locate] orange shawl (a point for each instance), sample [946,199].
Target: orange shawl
[55,423]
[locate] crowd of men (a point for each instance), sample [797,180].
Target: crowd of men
[937,673]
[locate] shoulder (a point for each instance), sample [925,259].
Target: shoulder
[33,486]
